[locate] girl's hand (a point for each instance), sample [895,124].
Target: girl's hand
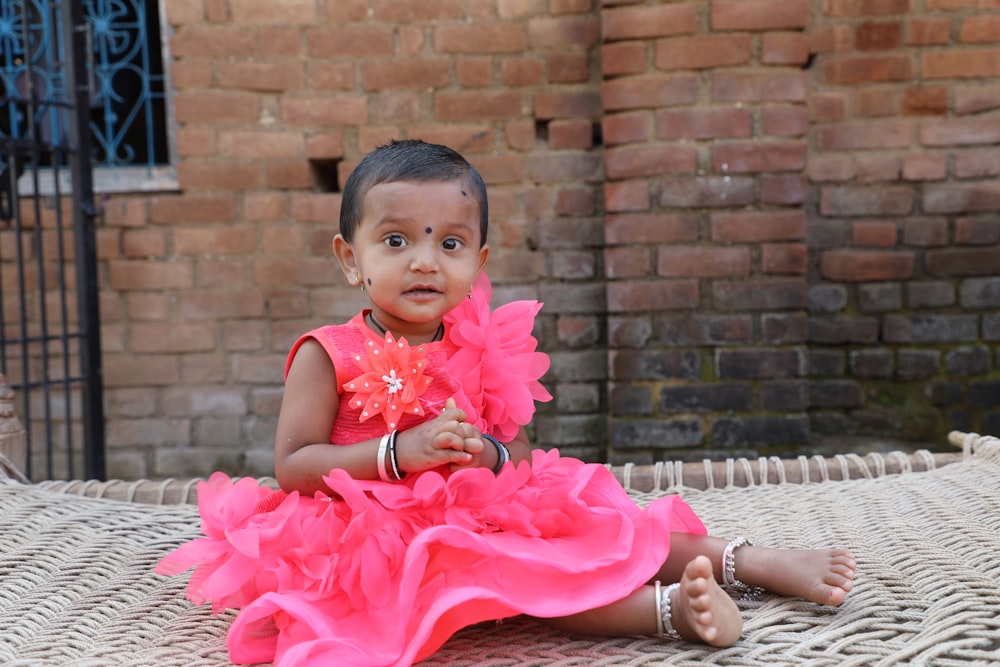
[444,440]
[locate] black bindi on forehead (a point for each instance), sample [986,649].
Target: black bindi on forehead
[428,230]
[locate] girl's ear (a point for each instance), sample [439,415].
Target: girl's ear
[344,252]
[484,254]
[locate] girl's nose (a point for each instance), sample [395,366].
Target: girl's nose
[424,257]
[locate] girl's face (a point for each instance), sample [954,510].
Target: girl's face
[416,251]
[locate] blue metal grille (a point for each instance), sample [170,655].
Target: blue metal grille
[128,121]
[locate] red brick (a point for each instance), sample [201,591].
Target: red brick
[144,243]
[702,52]
[784,189]
[563,32]
[831,39]
[465,137]
[261,145]
[216,108]
[285,272]
[520,135]
[322,208]
[400,107]
[411,40]
[411,11]
[195,141]
[707,192]
[627,262]
[753,156]
[507,168]
[877,234]
[289,175]
[878,36]
[567,67]
[703,123]
[865,8]
[785,48]
[962,198]
[279,41]
[125,212]
[759,14]
[977,231]
[192,73]
[757,226]
[148,306]
[952,5]
[702,262]
[196,175]
[173,209]
[961,131]
[877,167]
[222,304]
[866,200]
[472,72]
[156,370]
[830,168]
[273,76]
[651,295]
[359,41]
[328,146]
[569,104]
[570,134]
[217,11]
[977,164]
[262,12]
[521,71]
[476,105]
[849,70]
[866,135]
[621,23]
[878,101]
[925,232]
[212,43]
[560,168]
[185,11]
[827,107]
[864,266]
[634,196]
[346,11]
[650,228]
[575,201]
[332,76]
[649,160]
[961,64]
[127,275]
[282,239]
[626,128]
[980,29]
[623,58]
[215,241]
[925,101]
[922,167]
[785,121]
[767,294]
[753,86]
[479,37]
[649,92]
[409,73]
[784,258]
[263,206]
[559,7]
[928,31]
[963,262]
[325,111]
[976,99]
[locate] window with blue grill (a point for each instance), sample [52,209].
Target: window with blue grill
[129,113]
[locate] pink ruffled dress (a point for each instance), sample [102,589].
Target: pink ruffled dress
[380,573]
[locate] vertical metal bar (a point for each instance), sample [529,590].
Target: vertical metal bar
[85,213]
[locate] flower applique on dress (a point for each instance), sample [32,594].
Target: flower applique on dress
[391,382]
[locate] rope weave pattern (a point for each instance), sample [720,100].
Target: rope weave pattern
[77,585]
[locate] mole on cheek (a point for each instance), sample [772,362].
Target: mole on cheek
[428,230]
[463,193]
[369,282]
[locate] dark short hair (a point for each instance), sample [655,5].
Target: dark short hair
[408,160]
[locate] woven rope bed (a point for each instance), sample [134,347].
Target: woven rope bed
[77,585]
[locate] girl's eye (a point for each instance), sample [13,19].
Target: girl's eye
[395,241]
[451,244]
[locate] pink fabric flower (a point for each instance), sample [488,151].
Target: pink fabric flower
[492,355]
[392,381]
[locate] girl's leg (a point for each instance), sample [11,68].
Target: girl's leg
[823,576]
[700,611]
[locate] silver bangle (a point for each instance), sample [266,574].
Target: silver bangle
[503,454]
[383,445]
[664,607]
[729,579]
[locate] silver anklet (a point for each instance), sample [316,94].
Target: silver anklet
[729,580]
[664,626]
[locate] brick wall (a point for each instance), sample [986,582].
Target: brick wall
[752,222]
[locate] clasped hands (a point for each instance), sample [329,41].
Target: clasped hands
[445,440]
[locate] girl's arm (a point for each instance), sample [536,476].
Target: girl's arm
[302,450]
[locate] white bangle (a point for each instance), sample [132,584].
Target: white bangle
[383,445]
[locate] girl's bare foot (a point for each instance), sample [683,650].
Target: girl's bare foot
[823,576]
[703,611]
